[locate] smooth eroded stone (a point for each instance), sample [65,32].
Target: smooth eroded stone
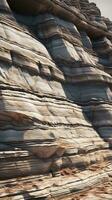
[55,101]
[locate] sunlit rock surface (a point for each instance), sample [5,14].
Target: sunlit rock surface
[55,101]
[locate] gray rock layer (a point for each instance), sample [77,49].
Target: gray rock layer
[55,101]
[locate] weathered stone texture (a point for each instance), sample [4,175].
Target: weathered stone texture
[55,101]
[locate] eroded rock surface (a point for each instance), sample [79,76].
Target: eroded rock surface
[55,101]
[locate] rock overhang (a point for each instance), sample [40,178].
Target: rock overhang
[57,8]
[28,7]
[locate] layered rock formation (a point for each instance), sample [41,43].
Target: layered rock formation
[55,101]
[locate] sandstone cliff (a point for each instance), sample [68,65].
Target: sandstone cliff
[55,101]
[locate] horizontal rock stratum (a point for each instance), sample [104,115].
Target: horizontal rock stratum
[55,101]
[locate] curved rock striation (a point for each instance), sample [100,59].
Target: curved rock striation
[55,101]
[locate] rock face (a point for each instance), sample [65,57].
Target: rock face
[55,101]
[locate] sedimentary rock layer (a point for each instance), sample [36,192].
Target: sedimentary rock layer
[55,101]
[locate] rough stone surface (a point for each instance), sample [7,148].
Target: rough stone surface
[55,101]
